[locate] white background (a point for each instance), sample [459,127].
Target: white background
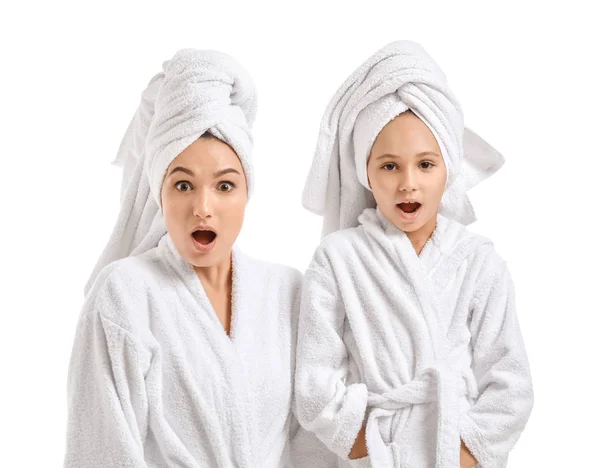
[71,78]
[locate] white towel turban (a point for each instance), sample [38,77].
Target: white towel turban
[198,91]
[398,77]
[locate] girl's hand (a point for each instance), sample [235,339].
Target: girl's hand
[467,460]
[359,449]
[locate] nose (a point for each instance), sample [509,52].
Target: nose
[408,181]
[203,206]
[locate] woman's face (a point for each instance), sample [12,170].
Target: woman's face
[406,165]
[204,197]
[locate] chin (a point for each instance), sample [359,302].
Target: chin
[403,224]
[209,259]
[197,259]
[203,260]
[408,227]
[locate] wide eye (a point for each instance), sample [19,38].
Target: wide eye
[226,186]
[183,186]
[388,167]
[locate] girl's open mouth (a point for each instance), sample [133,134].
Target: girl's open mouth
[409,207]
[409,211]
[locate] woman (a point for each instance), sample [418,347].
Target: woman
[409,347]
[184,352]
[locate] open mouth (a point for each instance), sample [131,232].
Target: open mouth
[204,237]
[409,208]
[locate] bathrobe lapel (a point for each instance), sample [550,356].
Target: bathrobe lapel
[435,376]
[228,346]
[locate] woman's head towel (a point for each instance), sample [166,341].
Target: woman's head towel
[198,91]
[398,77]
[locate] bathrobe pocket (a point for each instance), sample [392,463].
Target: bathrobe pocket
[364,462]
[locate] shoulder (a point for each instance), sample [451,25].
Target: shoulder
[484,255]
[485,265]
[489,271]
[121,291]
[129,274]
[269,272]
[477,248]
[342,243]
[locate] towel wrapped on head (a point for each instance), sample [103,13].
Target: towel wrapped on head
[198,92]
[399,77]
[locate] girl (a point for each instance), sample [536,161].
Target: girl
[409,348]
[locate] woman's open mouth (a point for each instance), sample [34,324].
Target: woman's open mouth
[409,210]
[204,239]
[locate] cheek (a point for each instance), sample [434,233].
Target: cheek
[441,184]
[173,210]
[234,208]
[436,189]
[383,185]
[383,197]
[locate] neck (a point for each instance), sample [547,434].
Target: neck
[216,277]
[420,237]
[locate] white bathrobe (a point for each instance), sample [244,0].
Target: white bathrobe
[425,349]
[155,381]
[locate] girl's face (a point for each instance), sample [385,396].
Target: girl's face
[407,173]
[204,197]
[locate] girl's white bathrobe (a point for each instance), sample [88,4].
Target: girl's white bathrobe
[155,381]
[426,349]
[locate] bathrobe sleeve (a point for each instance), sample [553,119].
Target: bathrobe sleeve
[325,405]
[107,403]
[494,423]
[306,450]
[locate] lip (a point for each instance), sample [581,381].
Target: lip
[203,248]
[410,216]
[412,200]
[203,227]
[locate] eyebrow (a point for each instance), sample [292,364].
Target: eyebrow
[419,155]
[229,170]
[216,174]
[181,169]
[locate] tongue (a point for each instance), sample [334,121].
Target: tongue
[204,237]
[409,207]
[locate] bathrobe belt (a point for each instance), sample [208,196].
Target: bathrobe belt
[441,383]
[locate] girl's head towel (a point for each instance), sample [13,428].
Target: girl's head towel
[399,77]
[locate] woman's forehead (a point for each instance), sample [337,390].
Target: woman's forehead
[207,154]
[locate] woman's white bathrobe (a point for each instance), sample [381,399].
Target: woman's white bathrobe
[155,381]
[425,349]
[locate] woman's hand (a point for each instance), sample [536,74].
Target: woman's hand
[467,460]
[359,449]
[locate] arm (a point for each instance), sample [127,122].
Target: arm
[494,423]
[107,404]
[306,450]
[325,405]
